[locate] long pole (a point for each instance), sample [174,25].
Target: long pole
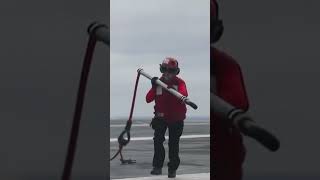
[170,90]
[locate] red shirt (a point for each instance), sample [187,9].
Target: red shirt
[168,105]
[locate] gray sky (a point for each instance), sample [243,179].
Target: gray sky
[143,33]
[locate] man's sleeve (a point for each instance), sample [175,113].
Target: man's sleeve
[182,88]
[151,95]
[234,89]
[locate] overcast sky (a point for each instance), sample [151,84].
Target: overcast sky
[143,33]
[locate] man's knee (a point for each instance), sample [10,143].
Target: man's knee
[174,142]
[158,139]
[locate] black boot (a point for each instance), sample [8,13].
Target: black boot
[171,173]
[156,171]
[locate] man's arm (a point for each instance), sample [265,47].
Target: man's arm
[182,88]
[244,122]
[151,95]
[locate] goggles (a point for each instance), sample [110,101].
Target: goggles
[169,70]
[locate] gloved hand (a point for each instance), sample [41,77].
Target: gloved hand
[243,121]
[153,81]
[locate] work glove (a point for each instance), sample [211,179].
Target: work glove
[243,121]
[153,81]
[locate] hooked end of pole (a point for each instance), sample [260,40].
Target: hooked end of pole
[99,31]
[91,28]
[139,70]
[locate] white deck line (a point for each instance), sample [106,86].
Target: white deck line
[151,138]
[147,125]
[199,176]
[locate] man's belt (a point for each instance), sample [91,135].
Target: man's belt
[158,114]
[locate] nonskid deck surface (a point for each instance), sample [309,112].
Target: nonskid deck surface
[194,151]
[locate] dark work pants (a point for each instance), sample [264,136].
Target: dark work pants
[175,131]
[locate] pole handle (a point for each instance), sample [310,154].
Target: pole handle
[190,103]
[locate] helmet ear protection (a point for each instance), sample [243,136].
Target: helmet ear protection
[178,71]
[216,24]
[161,68]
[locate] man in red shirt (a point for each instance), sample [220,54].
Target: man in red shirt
[228,151]
[170,113]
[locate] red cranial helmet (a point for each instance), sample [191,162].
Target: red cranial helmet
[170,65]
[216,25]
